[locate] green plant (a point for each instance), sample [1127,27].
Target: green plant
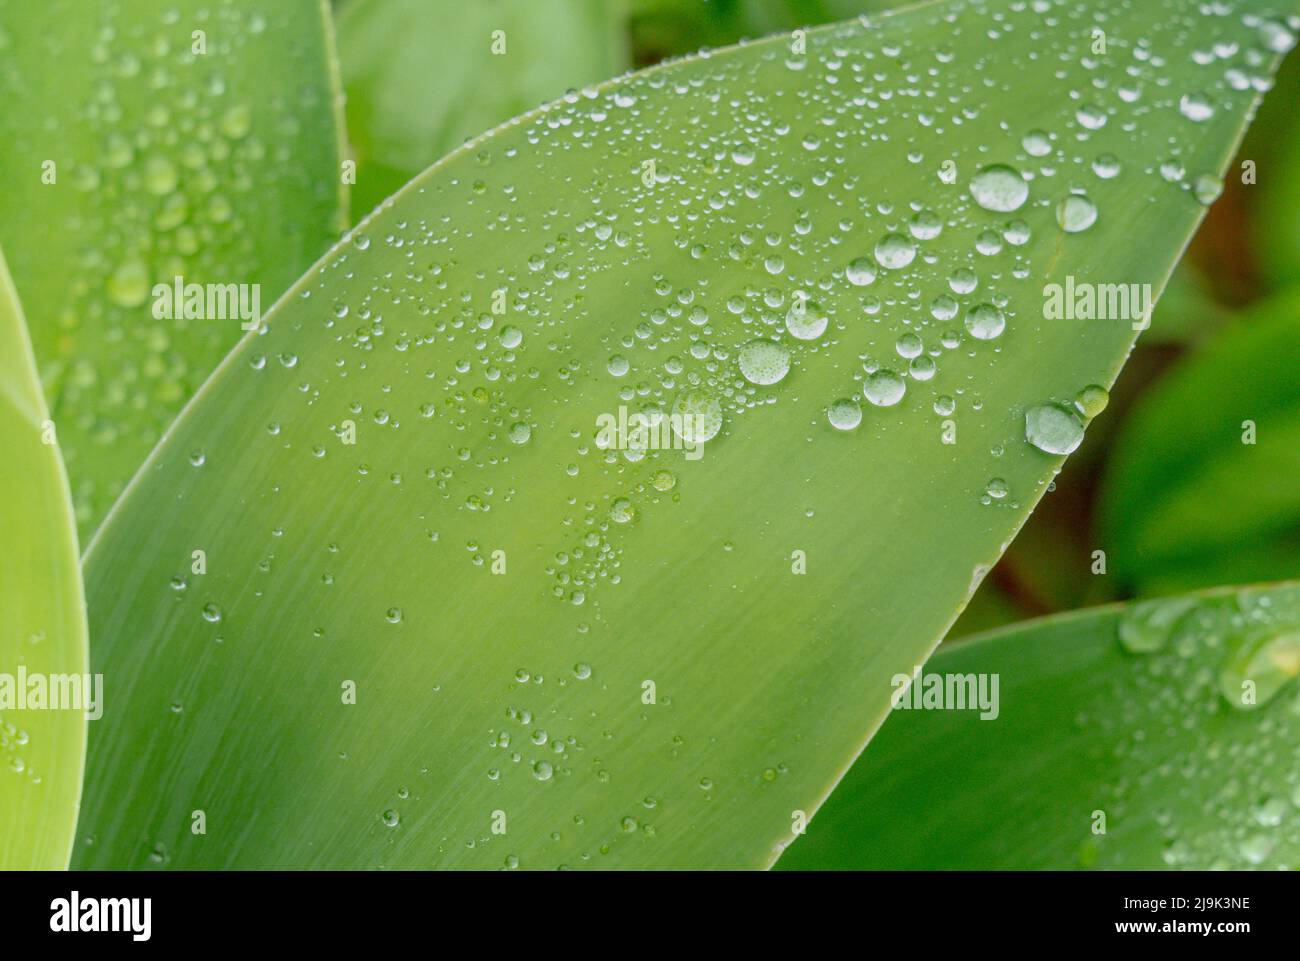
[391,581]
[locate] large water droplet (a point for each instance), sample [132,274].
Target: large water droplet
[1260,665]
[895,251]
[844,414]
[860,272]
[1053,429]
[1196,106]
[697,417]
[764,362]
[806,319]
[1076,213]
[884,388]
[1145,627]
[999,188]
[985,322]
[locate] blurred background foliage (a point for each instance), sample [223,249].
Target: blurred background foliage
[1163,484]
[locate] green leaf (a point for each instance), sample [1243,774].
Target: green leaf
[1187,310]
[662,28]
[1199,489]
[423,76]
[42,616]
[1275,195]
[1157,741]
[136,160]
[358,473]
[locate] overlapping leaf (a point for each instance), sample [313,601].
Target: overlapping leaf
[1087,753]
[145,141]
[423,76]
[1200,488]
[42,618]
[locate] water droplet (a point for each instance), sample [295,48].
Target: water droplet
[884,388]
[622,511]
[1207,189]
[1275,36]
[999,188]
[806,319]
[860,272]
[1147,626]
[1267,658]
[1076,213]
[844,414]
[698,417]
[1037,143]
[926,225]
[1091,116]
[1196,106]
[520,433]
[895,251]
[908,345]
[1106,166]
[663,480]
[985,322]
[1053,429]
[1092,400]
[765,362]
[129,284]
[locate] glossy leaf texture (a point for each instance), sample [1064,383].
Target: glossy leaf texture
[1120,741]
[423,76]
[615,650]
[1201,486]
[42,618]
[189,139]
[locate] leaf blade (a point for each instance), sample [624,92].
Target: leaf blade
[756,716]
[42,616]
[1083,726]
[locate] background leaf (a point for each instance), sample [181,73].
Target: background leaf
[332,564]
[221,167]
[1186,776]
[421,75]
[1186,502]
[664,28]
[42,615]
